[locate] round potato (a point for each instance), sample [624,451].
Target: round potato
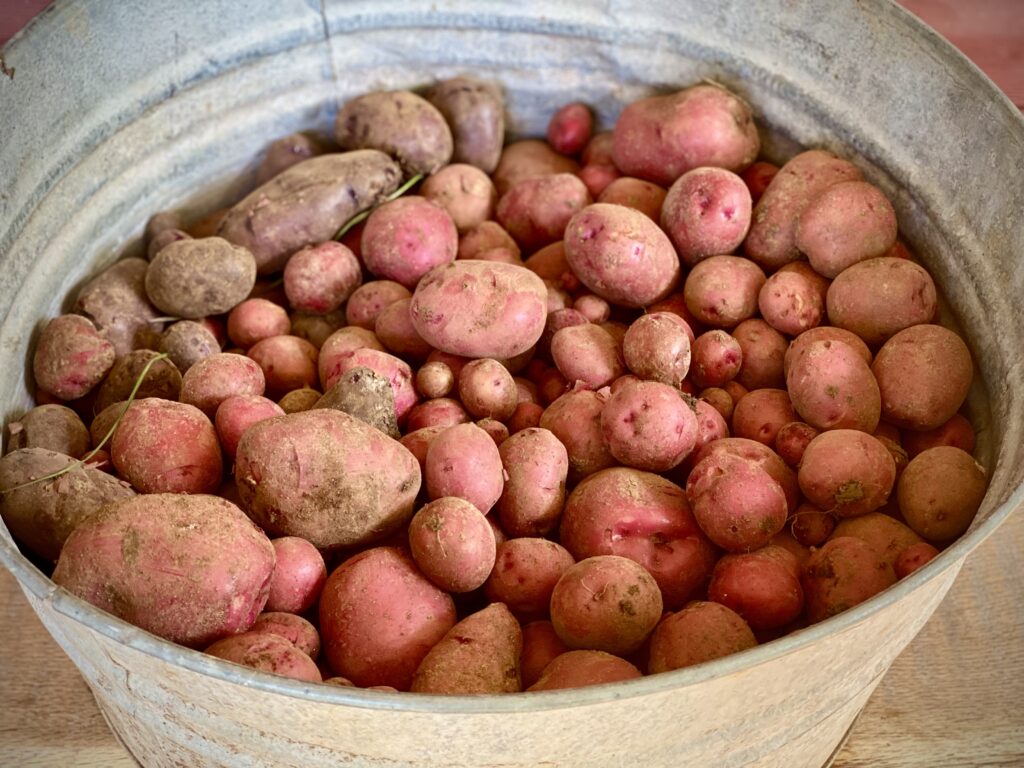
[940,491]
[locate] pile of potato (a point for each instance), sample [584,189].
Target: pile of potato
[571,412]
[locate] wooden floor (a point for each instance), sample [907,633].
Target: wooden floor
[954,699]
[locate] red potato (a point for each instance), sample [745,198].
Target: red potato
[549,263]
[593,308]
[763,352]
[940,492]
[372,646]
[480,654]
[700,632]
[711,426]
[489,241]
[295,629]
[762,586]
[536,211]
[761,414]
[706,213]
[453,544]
[832,388]
[488,390]
[621,255]
[466,193]
[237,413]
[570,128]
[439,412]
[878,298]
[720,400]
[536,466]
[575,419]
[327,477]
[541,646]
[216,378]
[256,319]
[825,333]
[406,238]
[394,369]
[395,330]
[792,440]
[646,518]
[597,178]
[587,353]
[167,447]
[288,362]
[599,149]
[418,441]
[187,342]
[578,669]
[128,559]
[71,357]
[957,433]
[498,431]
[525,573]
[846,472]
[340,345]
[480,309]
[368,300]
[53,427]
[791,303]
[763,457]
[320,278]
[843,573]
[721,291]
[298,578]
[605,603]
[551,385]
[716,357]
[812,527]
[657,347]
[913,557]
[757,177]
[805,270]
[924,373]
[557,320]
[633,193]
[463,461]
[772,238]
[434,380]
[886,535]
[529,159]
[662,137]
[649,426]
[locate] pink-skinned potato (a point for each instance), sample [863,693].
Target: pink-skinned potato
[762,586]
[578,669]
[575,419]
[537,465]
[453,544]
[71,357]
[405,238]
[649,426]
[327,477]
[299,576]
[525,572]
[843,573]
[463,461]
[536,211]
[188,568]
[761,455]
[540,647]
[267,653]
[700,632]
[831,387]
[706,213]
[295,629]
[722,290]
[846,472]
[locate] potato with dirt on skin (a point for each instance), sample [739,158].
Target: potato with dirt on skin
[128,557]
[453,544]
[465,192]
[487,389]
[762,586]
[621,255]
[374,647]
[761,413]
[649,426]
[267,653]
[115,302]
[578,669]
[320,278]
[216,378]
[292,627]
[825,333]
[366,395]
[439,412]
[53,427]
[715,358]
[71,357]
[587,353]
[187,342]
[239,412]
[285,152]
[308,203]
[392,368]
[536,211]
[41,515]
[913,557]
[525,572]
[706,213]
[255,319]
[832,388]
[197,278]
[940,492]
[370,299]
[792,440]
[163,379]
[575,419]
[480,654]
[463,461]
[886,535]
[529,159]
[404,239]
[657,347]
[475,112]
[540,647]
[811,527]
[846,472]
[762,456]
[702,631]
[299,400]
[299,576]
[536,464]
[790,303]
[340,345]
[489,241]
[327,477]
[845,572]
[763,352]
[660,138]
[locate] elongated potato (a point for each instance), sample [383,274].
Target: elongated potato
[537,465]
[475,111]
[463,461]
[307,204]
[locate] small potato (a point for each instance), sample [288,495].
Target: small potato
[762,586]
[846,472]
[877,298]
[812,527]
[792,440]
[763,457]
[298,578]
[463,461]
[434,380]
[196,278]
[771,241]
[475,112]
[549,263]
[575,419]
[366,395]
[761,413]
[529,159]
[638,194]
[299,400]
[216,378]
[570,128]
[605,603]
[187,342]
[295,629]
[524,576]
[621,255]
[480,654]
[540,647]
[160,222]
[913,557]
[843,573]
[649,426]
[598,177]
[453,544]
[957,432]
[886,535]
[374,647]
[418,441]
[320,278]
[340,345]
[480,309]
[128,559]
[485,240]
[716,357]
[488,390]
[406,238]
[315,329]
[237,413]
[660,138]
[763,351]
[790,303]
[757,177]
[256,319]
[722,291]
[700,632]
[53,427]
[657,347]
[593,308]
[71,357]
[924,373]
[439,412]
[587,353]
[400,123]
[536,465]
[465,192]
[832,388]
[526,416]
[369,300]
[394,369]
[578,669]
[41,515]
[847,223]
[164,238]
[115,302]
[536,211]
[940,491]
[720,400]
[706,213]
[395,330]
[162,379]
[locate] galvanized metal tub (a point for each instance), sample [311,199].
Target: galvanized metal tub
[116,111]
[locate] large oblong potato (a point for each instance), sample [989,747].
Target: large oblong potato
[308,203]
[325,476]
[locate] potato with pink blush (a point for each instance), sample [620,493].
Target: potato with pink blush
[298,578]
[831,387]
[633,193]
[487,389]
[396,332]
[764,353]
[722,291]
[239,412]
[790,303]
[529,159]
[453,544]
[657,347]
[715,358]
[536,465]
[649,426]
[287,361]
[292,627]
[701,632]
[825,333]
[706,213]
[485,238]
[71,338]
[575,419]
[525,572]
[465,192]
[340,345]
[846,472]
[369,299]
[405,238]
[256,319]
[587,353]
[394,369]
[536,211]
[570,128]
[761,413]
[320,278]
[463,461]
